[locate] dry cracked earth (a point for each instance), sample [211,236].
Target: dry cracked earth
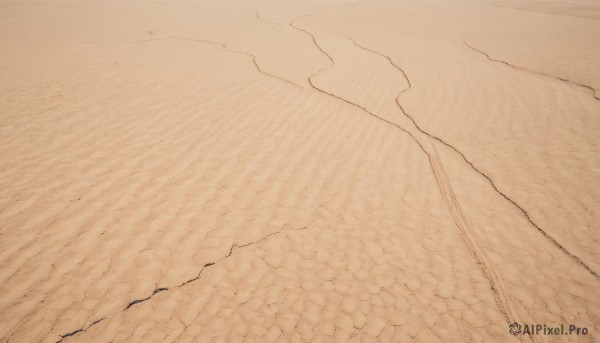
[216,171]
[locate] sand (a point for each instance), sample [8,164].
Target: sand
[312,170]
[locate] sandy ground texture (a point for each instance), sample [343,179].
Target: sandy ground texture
[298,170]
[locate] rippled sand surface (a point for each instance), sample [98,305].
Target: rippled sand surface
[311,170]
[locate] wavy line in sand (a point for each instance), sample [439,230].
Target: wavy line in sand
[444,187]
[233,247]
[577,84]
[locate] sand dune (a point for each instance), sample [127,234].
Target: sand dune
[177,171]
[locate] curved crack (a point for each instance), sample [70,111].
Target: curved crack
[233,247]
[514,203]
[577,84]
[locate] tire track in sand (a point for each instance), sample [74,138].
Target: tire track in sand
[575,258]
[444,186]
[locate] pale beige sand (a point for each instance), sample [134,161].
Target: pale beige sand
[298,170]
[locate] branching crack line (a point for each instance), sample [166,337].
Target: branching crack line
[514,203]
[577,84]
[233,247]
[315,87]
[252,56]
[222,45]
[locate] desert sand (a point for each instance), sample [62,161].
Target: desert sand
[302,170]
